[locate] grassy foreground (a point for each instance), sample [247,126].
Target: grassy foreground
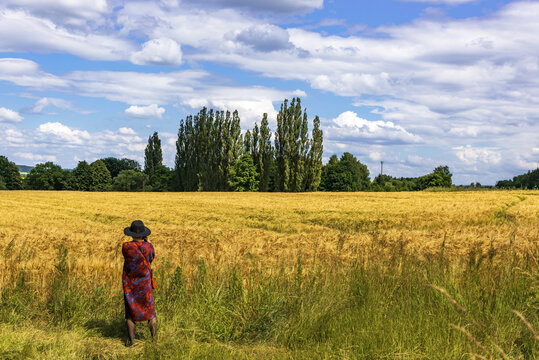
[375,289]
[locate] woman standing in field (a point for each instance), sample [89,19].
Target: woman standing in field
[137,279]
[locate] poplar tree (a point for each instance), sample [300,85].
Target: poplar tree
[248,142]
[282,151]
[255,147]
[292,149]
[153,155]
[208,146]
[314,168]
[265,154]
[235,146]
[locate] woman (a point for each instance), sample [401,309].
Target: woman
[137,279]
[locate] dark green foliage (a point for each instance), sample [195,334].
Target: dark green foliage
[9,172]
[153,155]
[244,177]
[208,146]
[530,180]
[248,142]
[2,184]
[345,174]
[82,177]
[101,179]
[440,177]
[265,155]
[115,165]
[294,152]
[47,176]
[314,165]
[161,179]
[130,180]
[388,183]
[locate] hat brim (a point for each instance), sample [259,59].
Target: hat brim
[146,232]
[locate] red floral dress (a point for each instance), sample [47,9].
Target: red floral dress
[137,280]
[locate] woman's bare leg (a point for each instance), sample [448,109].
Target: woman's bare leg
[131,330]
[153,326]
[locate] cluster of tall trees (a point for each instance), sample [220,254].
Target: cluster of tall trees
[213,155]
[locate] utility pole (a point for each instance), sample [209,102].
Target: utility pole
[381,167]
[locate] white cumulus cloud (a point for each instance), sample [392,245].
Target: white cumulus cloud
[161,51]
[265,38]
[7,115]
[350,127]
[59,133]
[145,112]
[473,155]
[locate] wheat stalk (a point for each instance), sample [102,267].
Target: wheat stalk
[449,297]
[527,323]
[470,336]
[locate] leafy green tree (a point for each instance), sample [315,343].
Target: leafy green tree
[129,180]
[153,155]
[248,142]
[2,184]
[161,179]
[314,165]
[345,174]
[431,180]
[115,165]
[69,179]
[265,154]
[243,176]
[234,148]
[440,177]
[10,174]
[446,175]
[101,179]
[82,177]
[47,176]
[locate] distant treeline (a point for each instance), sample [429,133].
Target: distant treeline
[212,154]
[530,180]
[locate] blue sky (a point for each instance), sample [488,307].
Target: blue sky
[415,84]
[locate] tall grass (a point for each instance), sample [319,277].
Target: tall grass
[401,307]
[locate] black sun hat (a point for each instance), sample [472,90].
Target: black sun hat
[137,229]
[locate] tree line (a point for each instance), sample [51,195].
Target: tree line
[530,180]
[212,154]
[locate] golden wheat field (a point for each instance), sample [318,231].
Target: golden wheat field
[269,229]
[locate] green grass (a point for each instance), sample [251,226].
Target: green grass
[400,308]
